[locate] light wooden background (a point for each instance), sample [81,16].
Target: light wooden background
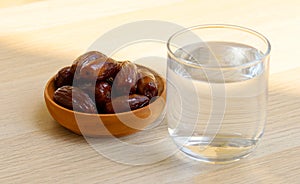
[37,37]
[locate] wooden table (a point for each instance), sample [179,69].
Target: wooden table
[39,37]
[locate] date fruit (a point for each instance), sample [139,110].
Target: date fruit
[147,84]
[102,93]
[95,83]
[74,98]
[85,59]
[126,103]
[63,77]
[87,87]
[125,81]
[99,69]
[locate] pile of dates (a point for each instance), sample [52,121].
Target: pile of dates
[95,83]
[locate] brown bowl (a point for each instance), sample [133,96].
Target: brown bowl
[95,125]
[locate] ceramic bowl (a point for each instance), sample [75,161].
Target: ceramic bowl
[95,125]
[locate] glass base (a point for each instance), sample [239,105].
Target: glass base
[214,159]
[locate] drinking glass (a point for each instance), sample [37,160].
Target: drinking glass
[217,90]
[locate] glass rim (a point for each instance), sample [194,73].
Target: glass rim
[226,26]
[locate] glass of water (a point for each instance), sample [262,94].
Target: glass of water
[217,89]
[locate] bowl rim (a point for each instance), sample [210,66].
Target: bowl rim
[51,82]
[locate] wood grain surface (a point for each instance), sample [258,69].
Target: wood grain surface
[37,37]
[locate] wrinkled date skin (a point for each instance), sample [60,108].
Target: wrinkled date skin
[125,81]
[86,58]
[87,87]
[64,77]
[100,69]
[102,94]
[126,103]
[74,98]
[147,84]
